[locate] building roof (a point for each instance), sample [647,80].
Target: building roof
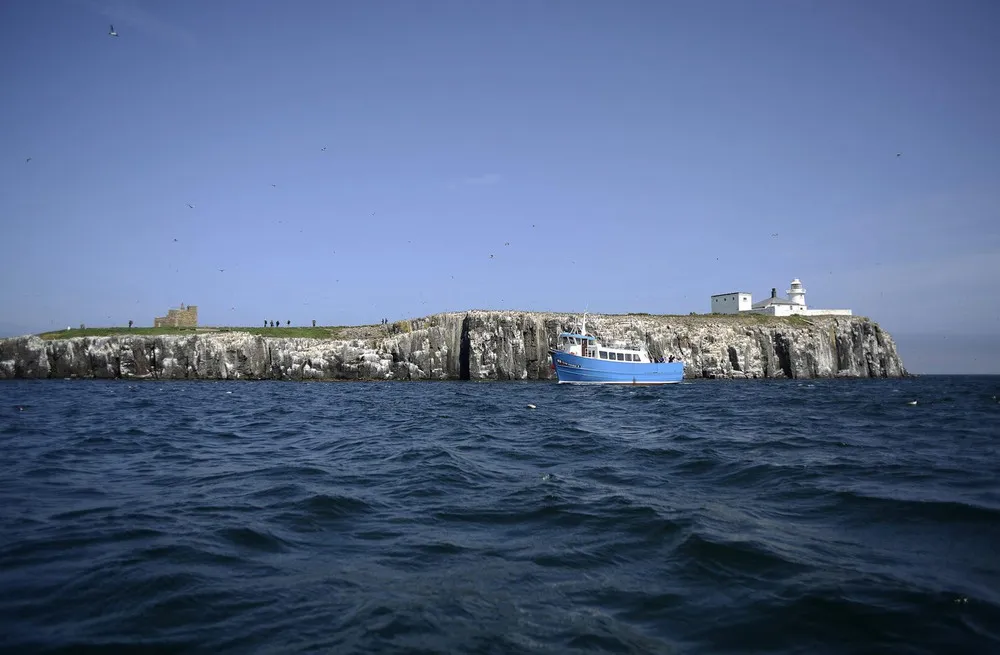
[767,302]
[734,293]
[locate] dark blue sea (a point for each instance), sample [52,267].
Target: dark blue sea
[708,517]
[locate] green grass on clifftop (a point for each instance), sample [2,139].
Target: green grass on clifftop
[287,332]
[743,318]
[376,331]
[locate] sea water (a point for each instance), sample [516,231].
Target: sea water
[796,516]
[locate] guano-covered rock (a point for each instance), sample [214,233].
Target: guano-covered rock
[474,345]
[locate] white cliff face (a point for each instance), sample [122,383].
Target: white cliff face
[475,345]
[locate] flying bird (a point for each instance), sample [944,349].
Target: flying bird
[323,149]
[899,154]
[274,185]
[190,206]
[222,270]
[507,243]
[27,160]
[175,240]
[112,31]
[491,256]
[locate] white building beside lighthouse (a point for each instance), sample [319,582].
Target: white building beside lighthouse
[794,305]
[731,303]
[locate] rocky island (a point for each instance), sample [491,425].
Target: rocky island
[472,345]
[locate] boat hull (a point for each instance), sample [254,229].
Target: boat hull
[573,369]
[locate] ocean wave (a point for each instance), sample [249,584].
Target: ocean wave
[783,517]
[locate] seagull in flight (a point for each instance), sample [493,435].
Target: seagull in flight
[190,206]
[222,270]
[27,160]
[112,31]
[323,149]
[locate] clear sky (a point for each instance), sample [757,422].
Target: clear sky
[614,156]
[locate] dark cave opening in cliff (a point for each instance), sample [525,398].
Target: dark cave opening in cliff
[463,352]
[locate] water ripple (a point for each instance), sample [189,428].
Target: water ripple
[780,517]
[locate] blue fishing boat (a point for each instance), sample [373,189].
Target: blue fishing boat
[582,359]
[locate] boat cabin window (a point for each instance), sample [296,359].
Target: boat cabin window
[628,357]
[604,354]
[621,357]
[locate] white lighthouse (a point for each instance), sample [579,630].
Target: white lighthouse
[794,305]
[796,293]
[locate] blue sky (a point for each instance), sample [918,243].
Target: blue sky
[635,156]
